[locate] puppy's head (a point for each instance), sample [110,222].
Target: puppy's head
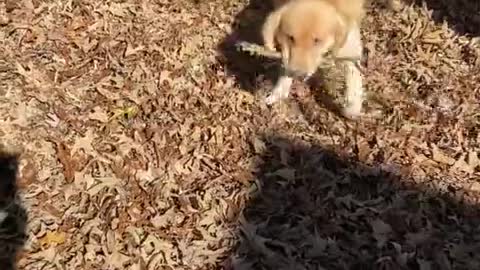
[305,31]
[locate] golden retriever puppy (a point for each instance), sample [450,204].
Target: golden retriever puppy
[305,30]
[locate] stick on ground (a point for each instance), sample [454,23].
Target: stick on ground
[255,49]
[258,50]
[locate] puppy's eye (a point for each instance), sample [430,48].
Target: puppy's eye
[317,41]
[291,38]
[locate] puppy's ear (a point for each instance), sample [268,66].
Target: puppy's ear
[270,27]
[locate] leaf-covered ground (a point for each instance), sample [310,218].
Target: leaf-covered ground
[144,142]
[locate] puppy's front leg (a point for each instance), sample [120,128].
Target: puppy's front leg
[354,93]
[281,90]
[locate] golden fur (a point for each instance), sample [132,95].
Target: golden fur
[305,30]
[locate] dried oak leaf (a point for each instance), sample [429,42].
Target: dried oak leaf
[56,238]
[125,144]
[462,165]
[258,145]
[105,182]
[440,157]
[475,187]
[442,261]
[286,173]
[64,156]
[240,264]
[131,50]
[164,220]
[84,143]
[424,265]
[99,114]
[318,244]
[473,159]
[83,180]
[381,231]
[116,260]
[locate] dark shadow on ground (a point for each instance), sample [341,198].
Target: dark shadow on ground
[248,71]
[463,16]
[13,217]
[315,209]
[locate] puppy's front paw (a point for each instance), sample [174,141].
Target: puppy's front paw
[352,111]
[275,96]
[280,91]
[270,46]
[272,98]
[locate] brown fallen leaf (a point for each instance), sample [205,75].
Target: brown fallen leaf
[462,165]
[105,182]
[29,174]
[441,157]
[4,18]
[236,263]
[258,145]
[381,231]
[473,160]
[118,9]
[131,50]
[65,158]
[286,173]
[475,187]
[442,261]
[53,238]
[164,220]
[84,143]
[319,245]
[424,265]
[99,114]
[117,260]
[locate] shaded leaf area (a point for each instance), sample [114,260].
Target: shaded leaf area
[315,209]
[140,132]
[461,15]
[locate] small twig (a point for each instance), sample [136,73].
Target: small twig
[254,49]
[257,50]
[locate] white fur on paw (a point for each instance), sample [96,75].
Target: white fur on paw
[270,46]
[276,95]
[352,112]
[272,99]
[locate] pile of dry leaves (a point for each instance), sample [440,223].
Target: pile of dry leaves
[145,144]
